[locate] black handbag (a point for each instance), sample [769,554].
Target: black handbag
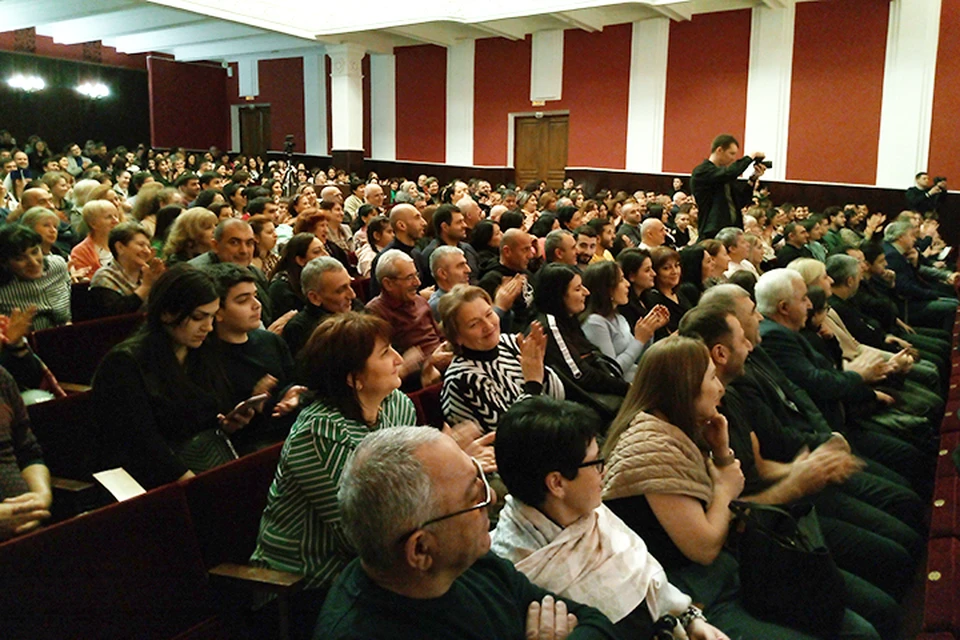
[787,574]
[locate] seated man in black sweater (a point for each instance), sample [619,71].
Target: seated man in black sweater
[255,361]
[413,505]
[794,246]
[328,289]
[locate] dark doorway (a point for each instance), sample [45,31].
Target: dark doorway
[540,149]
[254,130]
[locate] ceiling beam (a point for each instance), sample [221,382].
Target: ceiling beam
[276,55]
[239,47]
[498,29]
[115,23]
[584,19]
[161,39]
[30,13]
[425,34]
[678,11]
[775,4]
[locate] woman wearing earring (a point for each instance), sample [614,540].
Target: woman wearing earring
[354,375]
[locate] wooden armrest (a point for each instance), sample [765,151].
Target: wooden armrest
[72,486]
[269,580]
[73,387]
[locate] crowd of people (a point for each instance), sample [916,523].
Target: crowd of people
[615,369]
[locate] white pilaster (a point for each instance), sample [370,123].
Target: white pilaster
[460,72]
[546,65]
[908,79]
[383,107]
[346,88]
[315,103]
[647,95]
[768,85]
[248,76]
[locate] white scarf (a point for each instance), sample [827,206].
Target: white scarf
[598,560]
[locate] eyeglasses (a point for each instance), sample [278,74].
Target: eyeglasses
[487,499]
[599,463]
[409,278]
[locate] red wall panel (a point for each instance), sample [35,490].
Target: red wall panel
[836,91]
[281,86]
[945,134]
[45,46]
[707,63]
[596,81]
[422,103]
[188,105]
[501,85]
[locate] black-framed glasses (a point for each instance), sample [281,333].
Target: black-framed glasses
[487,499]
[599,463]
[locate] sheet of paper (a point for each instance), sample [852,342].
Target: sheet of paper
[944,253]
[119,483]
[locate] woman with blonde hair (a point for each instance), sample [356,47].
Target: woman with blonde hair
[190,235]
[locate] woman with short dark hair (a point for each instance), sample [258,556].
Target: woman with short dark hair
[665,291]
[30,279]
[285,292]
[123,286]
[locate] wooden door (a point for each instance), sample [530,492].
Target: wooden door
[540,149]
[254,130]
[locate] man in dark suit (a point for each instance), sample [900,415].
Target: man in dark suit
[925,195]
[712,183]
[794,245]
[925,306]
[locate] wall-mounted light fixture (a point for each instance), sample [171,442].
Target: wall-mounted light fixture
[26,83]
[94,90]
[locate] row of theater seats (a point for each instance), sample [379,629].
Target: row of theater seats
[941,613]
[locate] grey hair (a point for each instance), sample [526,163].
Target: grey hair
[403,197]
[35,214]
[387,264]
[895,230]
[842,267]
[439,255]
[221,227]
[564,202]
[313,272]
[371,188]
[82,191]
[331,189]
[385,492]
[95,207]
[553,241]
[729,236]
[774,287]
[724,296]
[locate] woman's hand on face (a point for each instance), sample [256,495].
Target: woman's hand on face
[717,435]
[533,347]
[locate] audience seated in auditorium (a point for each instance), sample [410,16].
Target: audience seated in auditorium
[123,286]
[794,245]
[408,227]
[191,235]
[285,291]
[586,247]
[415,332]
[327,288]
[925,303]
[557,532]
[93,252]
[46,223]
[486,240]
[606,328]
[29,278]
[516,250]
[671,476]
[449,267]
[450,230]
[491,369]
[379,234]
[163,386]
[666,288]
[407,496]
[265,235]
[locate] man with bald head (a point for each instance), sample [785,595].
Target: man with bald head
[516,250]
[472,214]
[653,233]
[331,193]
[41,197]
[408,227]
[373,195]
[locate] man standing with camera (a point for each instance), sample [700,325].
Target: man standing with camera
[712,184]
[928,195]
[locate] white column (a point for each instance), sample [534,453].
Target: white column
[908,79]
[647,95]
[248,77]
[460,68]
[546,65]
[383,107]
[346,90]
[315,103]
[768,86]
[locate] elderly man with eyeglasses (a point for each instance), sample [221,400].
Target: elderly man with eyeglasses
[413,504]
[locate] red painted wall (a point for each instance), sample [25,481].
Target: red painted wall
[281,86]
[836,91]
[707,64]
[422,103]
[945,135]
[596,80]
[45,46]
[188,105]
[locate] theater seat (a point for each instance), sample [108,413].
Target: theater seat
[361,286]
[941,611]
[945,515]
[427,403]
[73,351]
[948,444]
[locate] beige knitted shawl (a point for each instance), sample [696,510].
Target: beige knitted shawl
[653,456]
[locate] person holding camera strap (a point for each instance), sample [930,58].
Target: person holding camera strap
[712,184]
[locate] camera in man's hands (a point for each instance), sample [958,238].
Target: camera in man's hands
[288,144]
[767,163]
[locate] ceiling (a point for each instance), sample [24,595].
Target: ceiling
[191,30]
